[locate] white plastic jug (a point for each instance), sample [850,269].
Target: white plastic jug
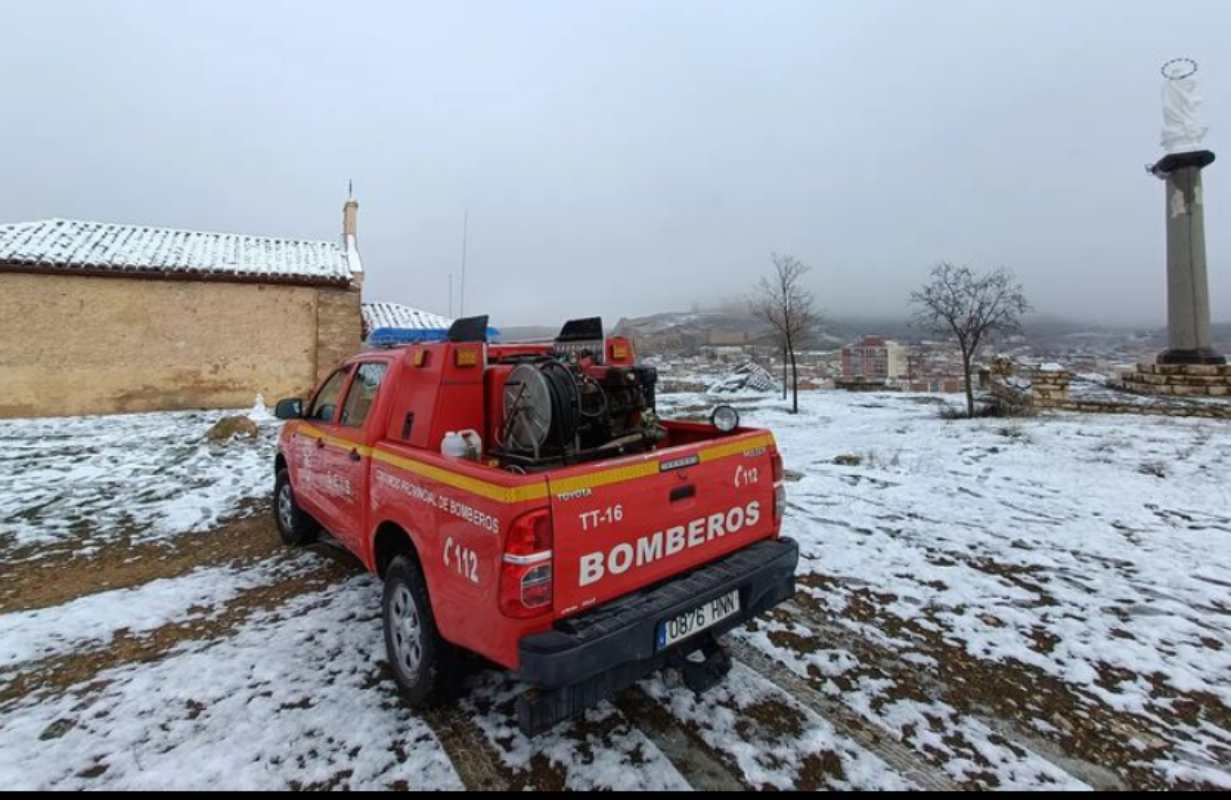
[453,445]
[465,444]
[474,443]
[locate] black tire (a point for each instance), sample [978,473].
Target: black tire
[423,664]
[294,524]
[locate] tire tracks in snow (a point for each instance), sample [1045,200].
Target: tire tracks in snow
[872,654]
[469,750]
[692,758]
[60,576]
[869,735]
[60,673]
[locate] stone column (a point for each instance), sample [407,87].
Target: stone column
[1188,298]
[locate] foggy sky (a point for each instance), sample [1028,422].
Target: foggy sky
[624,158]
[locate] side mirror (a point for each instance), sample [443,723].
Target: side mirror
[290,408]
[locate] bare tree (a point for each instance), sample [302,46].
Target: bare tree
[970,307]
[782,301]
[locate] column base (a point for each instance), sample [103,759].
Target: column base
[1200,356]
[1189,379]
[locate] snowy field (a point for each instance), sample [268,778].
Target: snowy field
[68,476]
[1022,603]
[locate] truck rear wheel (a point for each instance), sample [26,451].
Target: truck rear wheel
[419,658]
[294,524]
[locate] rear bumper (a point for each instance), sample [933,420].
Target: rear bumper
[619,637]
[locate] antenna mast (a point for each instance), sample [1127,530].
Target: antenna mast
[461,308]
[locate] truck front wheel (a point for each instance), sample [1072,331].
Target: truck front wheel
[417,654]
[294,524]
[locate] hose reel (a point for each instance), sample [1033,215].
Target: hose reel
[541,408]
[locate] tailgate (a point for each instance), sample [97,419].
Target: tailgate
[624,524]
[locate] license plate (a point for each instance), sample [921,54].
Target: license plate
[698,619]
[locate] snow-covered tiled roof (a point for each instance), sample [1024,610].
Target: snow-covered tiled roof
[396,315]
[77,246]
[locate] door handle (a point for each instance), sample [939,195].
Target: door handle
[320,444]
[683,492]
[354,455]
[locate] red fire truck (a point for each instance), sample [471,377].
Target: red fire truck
[525,502]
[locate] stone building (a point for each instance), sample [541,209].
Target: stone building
[101,318]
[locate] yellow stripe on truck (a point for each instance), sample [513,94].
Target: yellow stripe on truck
[344,444]
[492,491]
[651,467]
[536,491]
[605,478]
[732,448]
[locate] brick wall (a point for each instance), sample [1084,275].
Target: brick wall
[81,345]
[339,328]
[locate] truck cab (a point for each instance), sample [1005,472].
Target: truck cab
[524,502]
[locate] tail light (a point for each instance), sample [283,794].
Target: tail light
[775,460]
[526,574]
[620,351]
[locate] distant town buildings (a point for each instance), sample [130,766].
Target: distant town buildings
[874,358]
[702,342]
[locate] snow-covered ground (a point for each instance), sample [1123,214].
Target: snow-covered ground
[1029,603]
[85,481]
[1087,553]
[292,697]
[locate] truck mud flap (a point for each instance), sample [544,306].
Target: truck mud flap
[538,710]
[701,676]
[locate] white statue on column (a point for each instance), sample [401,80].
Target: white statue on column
[1183,130]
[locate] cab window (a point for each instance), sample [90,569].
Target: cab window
[326,400]
[362,393]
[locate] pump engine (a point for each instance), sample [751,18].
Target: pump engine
[566,405]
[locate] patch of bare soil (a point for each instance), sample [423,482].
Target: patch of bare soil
[474,758]
[819,771]
[777,723]
[477,756]
[704,768]
[848,722]
[1078,723]
[65,575]
[543,773]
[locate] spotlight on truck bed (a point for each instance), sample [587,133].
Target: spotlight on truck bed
[725,418]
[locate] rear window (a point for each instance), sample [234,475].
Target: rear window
[362,393]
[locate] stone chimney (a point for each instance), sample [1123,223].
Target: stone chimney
[350,219]
[350,236]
